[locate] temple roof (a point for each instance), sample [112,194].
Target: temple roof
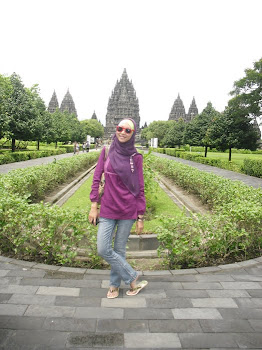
[68,104]
[53,104]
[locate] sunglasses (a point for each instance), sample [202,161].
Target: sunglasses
[127,130]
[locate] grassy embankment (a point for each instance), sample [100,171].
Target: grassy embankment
[237,158]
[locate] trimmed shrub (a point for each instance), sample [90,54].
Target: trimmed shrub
[12,157]
[233,231]
[252,167]
[41,231]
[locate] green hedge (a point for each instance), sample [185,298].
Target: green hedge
[41,231]
[11,157]
[252,167]
[34,182]
[70,148]
[231,232]
[180,153]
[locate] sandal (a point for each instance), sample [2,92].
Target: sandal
[137,289]
[112,293]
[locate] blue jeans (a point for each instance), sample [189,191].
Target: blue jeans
[115,256]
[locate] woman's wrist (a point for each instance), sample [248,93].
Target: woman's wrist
[140,218]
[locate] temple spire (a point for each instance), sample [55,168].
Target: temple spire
[68,104]
[123,103]
[53,104]
[178,110]
[193,110]
[94,116]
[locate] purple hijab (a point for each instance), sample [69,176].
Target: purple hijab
[121,157]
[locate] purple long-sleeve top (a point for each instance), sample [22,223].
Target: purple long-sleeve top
[117,201]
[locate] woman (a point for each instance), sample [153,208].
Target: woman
[122,203]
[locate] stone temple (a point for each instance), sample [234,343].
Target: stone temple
[123,103]
[53,104]
[178,110]
[66,105]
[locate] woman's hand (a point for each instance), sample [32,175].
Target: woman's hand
[93,214]
[139,227]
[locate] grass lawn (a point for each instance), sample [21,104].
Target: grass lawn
[162,203]
[237,158]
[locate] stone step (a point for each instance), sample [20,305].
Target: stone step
[142,242]
[135,242]
[143,254]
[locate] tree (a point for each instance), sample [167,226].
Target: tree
[76,130]
[59,131]
[175,133]
[41,119]
[5,91]
[156,129]
[20,114]
[247,91]
[195,132]
[92,127]
[232,129]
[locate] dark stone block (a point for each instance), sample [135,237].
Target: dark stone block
[96,340]
[4,297]
[21,322]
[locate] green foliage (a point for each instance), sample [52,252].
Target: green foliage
[175,133]
[92,127]
[156,129]
[195,157]
[45,231]
[196,131]
[252,167]
[247,91]
[8,157]
[40,230]
[34,182]
[5,91]
[233,230]
[232,129]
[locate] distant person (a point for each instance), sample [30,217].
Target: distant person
[75,143]
[87,146]
[83,147]
[122,204]
[77,148]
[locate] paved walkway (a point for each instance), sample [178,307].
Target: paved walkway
[5,168]
[51,307]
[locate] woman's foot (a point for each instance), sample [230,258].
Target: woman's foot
[133,283]
[112,293]
[135,290]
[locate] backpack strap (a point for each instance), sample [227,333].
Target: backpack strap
[106,158]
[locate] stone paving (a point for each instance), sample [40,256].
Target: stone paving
[51,307]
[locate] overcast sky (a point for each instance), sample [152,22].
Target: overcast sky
[191,47]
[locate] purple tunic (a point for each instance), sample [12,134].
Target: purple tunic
[117,201]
